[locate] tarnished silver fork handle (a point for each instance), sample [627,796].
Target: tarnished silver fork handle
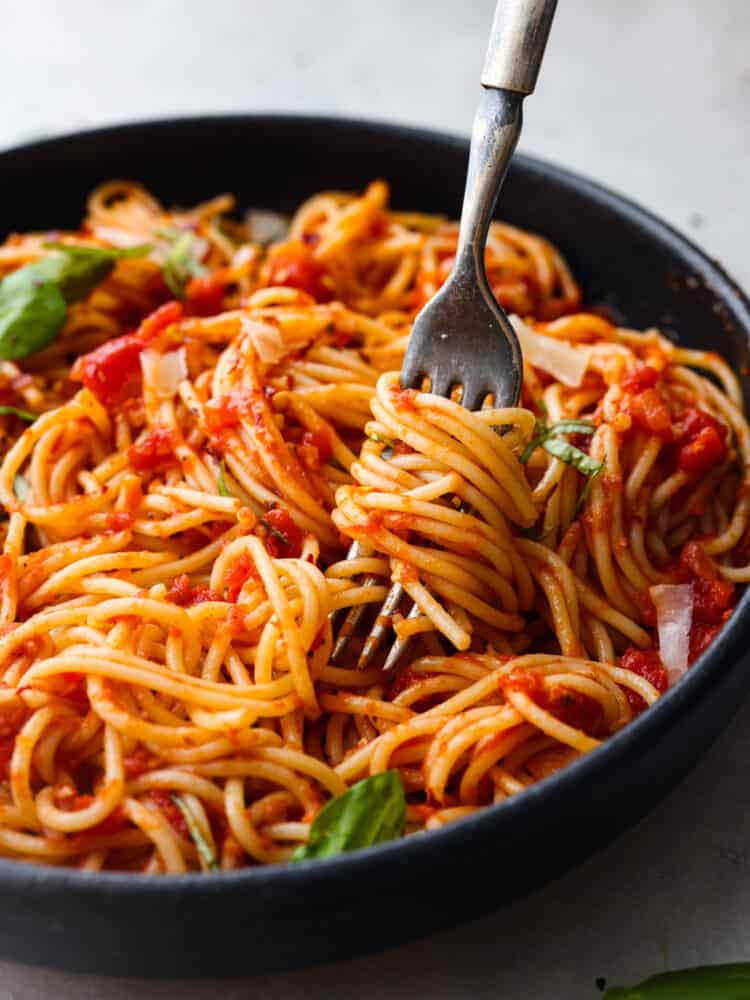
[462,337]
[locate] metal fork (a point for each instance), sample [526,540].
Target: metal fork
[462,338]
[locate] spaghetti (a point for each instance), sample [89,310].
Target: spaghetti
[216,422]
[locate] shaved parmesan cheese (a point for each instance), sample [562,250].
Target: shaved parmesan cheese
[674,617]
[568,363]
[117,237]
[267,340]
[162,373]
[266,227]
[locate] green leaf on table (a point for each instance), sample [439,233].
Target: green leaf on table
[708,982]
[370,812]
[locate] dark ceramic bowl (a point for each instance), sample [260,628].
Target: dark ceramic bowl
[272,918]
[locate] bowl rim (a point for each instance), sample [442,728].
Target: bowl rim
[723,655]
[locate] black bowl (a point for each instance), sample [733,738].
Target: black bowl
[274,918]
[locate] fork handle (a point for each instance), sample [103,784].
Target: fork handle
[514,55]
[517,41]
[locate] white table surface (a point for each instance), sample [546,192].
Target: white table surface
[653,99]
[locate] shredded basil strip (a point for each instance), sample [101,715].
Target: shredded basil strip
[283,538]
[586,490]
[13,411]
[201,844]
[370,812]
[181,265]
[571,455]
[221,481]
[708,982]
[34,299]
[21,486]
[544,433]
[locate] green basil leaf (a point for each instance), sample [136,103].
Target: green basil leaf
[201,844]
[709,982]
[21,486]
[541,431]
[78,269]
[283,538]
[571,455]
[13,411]
[31,316]
[34,298]
[181,265]
[221,481]
[90,253]
[370,812]
[584,494]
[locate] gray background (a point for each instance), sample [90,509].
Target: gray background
[649,96]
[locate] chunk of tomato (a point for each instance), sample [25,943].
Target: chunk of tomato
[293,265]
[283,539]
[647,664]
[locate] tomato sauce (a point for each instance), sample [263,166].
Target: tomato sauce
[163,801]
[181,592]
[113,370]
[702,441]
[204,295]
[571,707]
[293,265]
[240,572]
[154,451]
[647,664]
[138,762]
[12,719]
[315,448]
